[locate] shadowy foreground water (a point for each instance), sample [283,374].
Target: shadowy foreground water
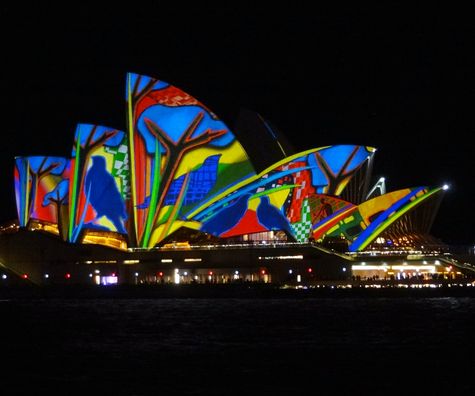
[264,345]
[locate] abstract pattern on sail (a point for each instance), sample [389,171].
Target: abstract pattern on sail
[361,226]
[283,196]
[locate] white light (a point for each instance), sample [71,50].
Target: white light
[445,187]
[166,260]
[364,267]
[46,276]
[4,276]
[296,257]
[136,274]
[290,271]
[177,276]
[236,272]
[109,280]
[429,268]
[344,269]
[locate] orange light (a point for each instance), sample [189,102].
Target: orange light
[210,273]
[160,273]
[263,272]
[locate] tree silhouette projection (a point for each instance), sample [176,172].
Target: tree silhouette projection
[58,197]
[337,174]
[174,154]
[31,172]
[157,154]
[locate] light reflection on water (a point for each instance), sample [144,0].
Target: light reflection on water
[202,346]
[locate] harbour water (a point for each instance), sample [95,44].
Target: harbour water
[238,346]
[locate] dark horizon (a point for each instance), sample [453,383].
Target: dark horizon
[398,80]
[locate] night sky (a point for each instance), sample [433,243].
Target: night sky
[395,78]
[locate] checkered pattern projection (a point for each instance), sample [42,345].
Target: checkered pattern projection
[120,167]
[303,228]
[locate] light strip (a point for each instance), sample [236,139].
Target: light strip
[425,268]
[132,157]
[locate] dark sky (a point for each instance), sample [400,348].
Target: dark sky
[399,79]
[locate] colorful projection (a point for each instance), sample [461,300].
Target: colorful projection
[362,224]
[41,185]
[280,198]
[99,181]
[181,156]
[178,165]
[335,166]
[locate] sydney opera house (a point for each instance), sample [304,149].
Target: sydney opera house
[179,197]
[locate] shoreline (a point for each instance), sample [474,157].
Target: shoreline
[326,290]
